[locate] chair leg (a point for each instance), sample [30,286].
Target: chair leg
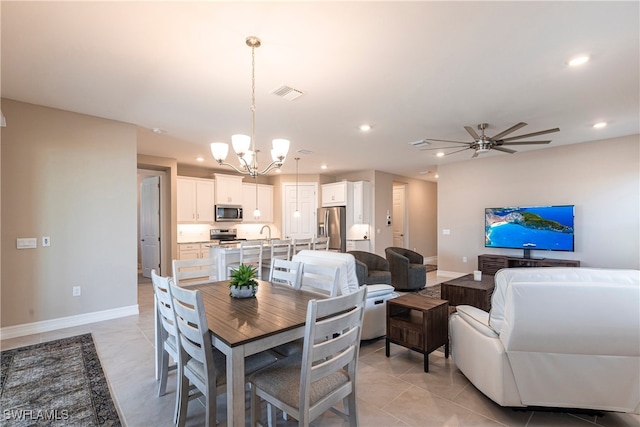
[164,372]
[255,407]
[351,409]
[184,400]
[210,398]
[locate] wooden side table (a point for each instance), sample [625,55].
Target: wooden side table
[419,323]
[465,290]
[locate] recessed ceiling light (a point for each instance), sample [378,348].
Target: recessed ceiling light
[158,130]
[323,167]
[424,172]
[440,154]
[365,127]
[437,176]
[600,125]
[579,60]
[200,159]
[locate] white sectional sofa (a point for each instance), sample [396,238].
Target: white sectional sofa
[555,337]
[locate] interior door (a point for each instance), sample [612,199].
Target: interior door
[304,226]
[398,219]
[150,225]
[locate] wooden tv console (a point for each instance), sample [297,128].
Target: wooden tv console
[490,264]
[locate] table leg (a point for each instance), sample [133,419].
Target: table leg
[386,347]
[426,362]
[446,350]
[235,387]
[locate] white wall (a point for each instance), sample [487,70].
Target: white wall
[71,177]
[601,178]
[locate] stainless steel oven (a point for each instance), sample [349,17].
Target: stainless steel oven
[228,213]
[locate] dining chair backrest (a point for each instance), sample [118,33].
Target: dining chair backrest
[196,352]
[280,248]
[285,272]
[328,369]
[322,279]
[166,342]
[301,244]
[193,271]
[251,254]
[320,244]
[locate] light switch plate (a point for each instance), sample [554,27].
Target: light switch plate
[27,243]
[46,241]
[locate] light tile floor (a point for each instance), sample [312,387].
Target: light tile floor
[392,391]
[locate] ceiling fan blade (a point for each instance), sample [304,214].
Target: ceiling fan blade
[508,131]
[440,148]
[472,132]
[542,132]
[457,151]
[475,154]
[504,150]
[446,140]
[522,143]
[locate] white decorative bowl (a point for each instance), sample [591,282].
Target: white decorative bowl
[243,292]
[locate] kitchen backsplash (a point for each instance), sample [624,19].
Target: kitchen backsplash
[188,233]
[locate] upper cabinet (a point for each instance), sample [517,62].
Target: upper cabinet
[265,202]
[361,202]
[337,193]
[195,200]
[228,189]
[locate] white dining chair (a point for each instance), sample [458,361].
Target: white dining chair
[202,367]
[301,244]
[166,333]
[285,272]
[306,386]
[320,243]
[250,254]
[280,248]
[193,271]
[322,279]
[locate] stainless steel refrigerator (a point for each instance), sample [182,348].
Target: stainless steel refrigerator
[332,223]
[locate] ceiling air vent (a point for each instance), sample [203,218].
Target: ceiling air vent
[287,92]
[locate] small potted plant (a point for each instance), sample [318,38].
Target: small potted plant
[243,283]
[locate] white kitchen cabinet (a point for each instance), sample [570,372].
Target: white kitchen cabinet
[193,250]
[195,200]
[337,194]
[265,202]
[359,245]
[228,189]
[361,202]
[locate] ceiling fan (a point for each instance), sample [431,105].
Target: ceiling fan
[482,143]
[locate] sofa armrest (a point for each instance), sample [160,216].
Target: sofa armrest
[477,318]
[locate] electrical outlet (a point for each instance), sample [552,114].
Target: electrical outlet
[76,291]
[46,241]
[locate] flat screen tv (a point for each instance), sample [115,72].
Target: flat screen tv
[547,228]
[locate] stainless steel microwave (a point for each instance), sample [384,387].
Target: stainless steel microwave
[228,213]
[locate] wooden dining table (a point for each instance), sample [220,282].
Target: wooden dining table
[241,327]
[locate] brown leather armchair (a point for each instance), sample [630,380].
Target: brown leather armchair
[408,272]
[371,269]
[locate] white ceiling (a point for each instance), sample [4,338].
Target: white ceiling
[410,69]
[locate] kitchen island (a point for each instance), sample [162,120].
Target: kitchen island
[224,255]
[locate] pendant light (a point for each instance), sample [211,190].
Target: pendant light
[296,214]
[256,212]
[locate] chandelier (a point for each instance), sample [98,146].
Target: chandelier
[244,145]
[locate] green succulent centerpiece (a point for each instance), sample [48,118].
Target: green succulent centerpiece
[243,282]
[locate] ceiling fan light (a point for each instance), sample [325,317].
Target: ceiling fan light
[219,151]
[600,125]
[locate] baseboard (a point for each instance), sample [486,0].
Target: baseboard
[432,260]
[66,322]
[444,273]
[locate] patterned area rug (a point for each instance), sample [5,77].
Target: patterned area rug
[55,383]
[431,291]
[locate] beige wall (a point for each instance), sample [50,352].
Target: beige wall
[71,177]
[602,180]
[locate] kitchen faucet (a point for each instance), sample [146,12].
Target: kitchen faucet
[268,228]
